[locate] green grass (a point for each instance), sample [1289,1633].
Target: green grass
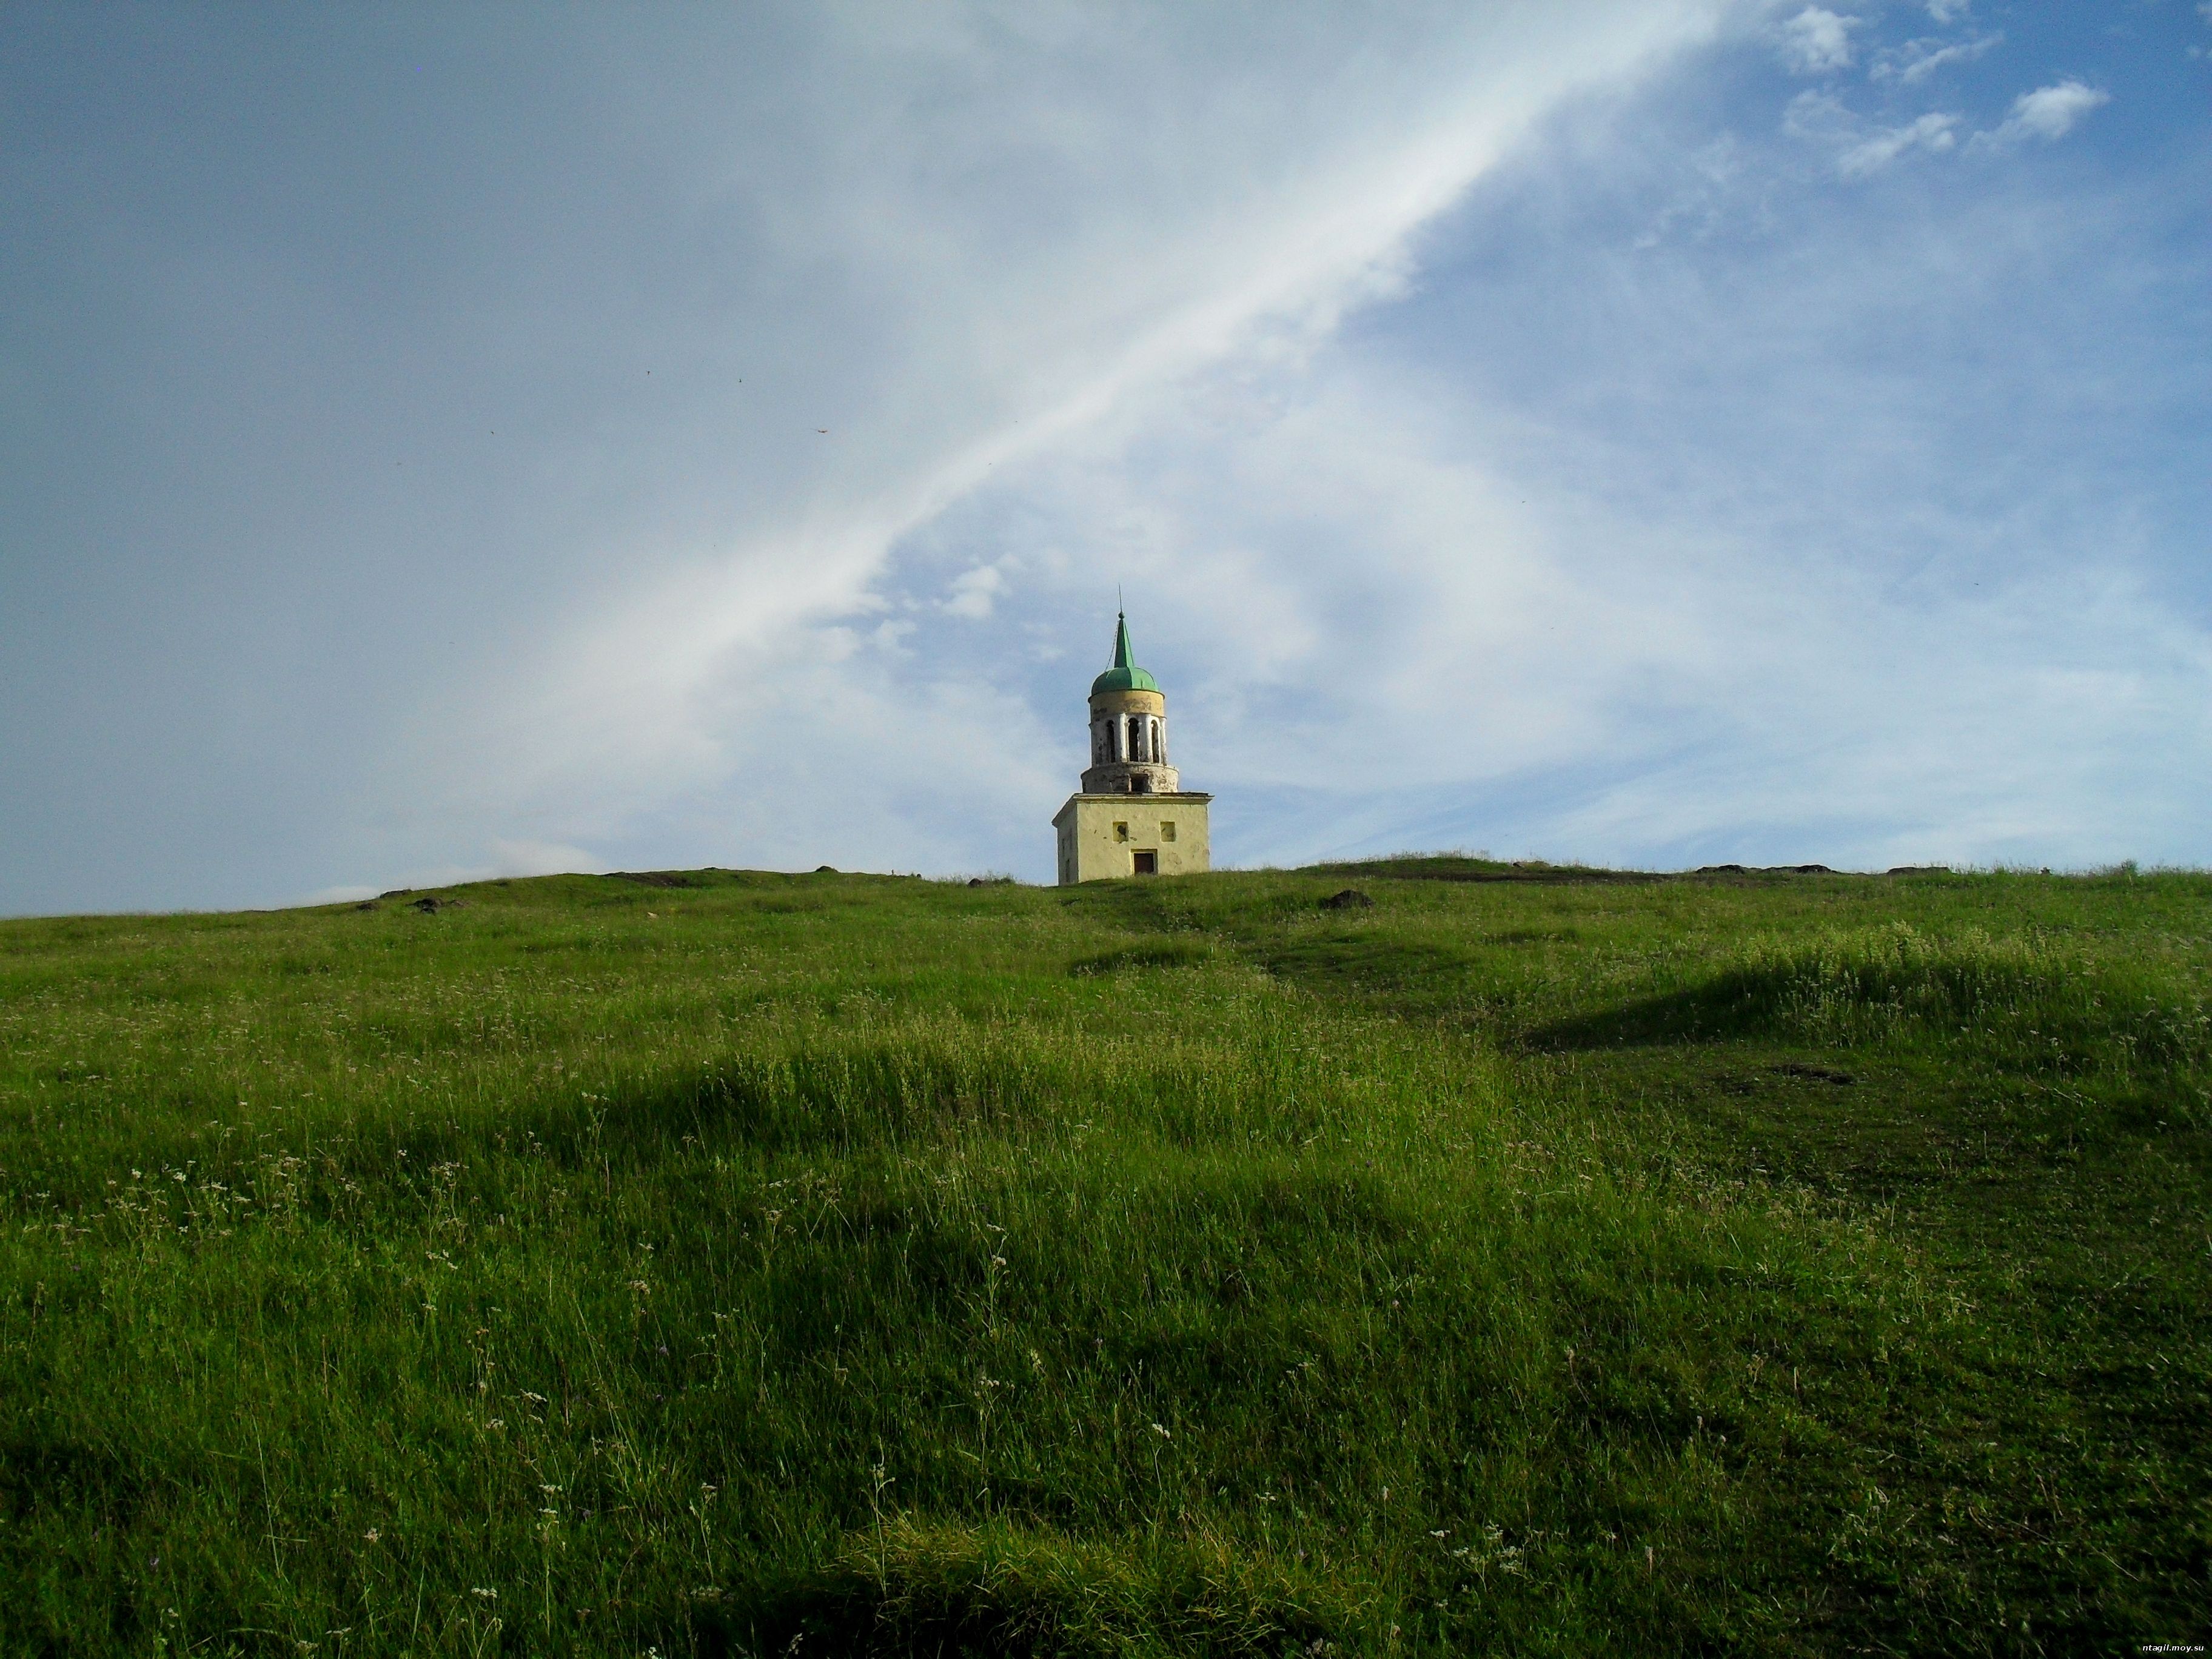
[1540,1262]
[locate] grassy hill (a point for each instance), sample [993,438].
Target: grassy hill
[1536,1261]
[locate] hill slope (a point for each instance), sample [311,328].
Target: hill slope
[1536,1261]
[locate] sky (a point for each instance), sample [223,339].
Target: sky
[443,442]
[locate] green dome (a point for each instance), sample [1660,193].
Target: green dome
[1124,674]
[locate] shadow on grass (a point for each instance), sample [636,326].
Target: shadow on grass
[1722,1010]
[1410,973]
[916,1587]
[39,1474]
[1160,953]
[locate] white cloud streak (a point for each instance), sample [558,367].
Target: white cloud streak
[1934,132]
[1859,151]
[1916,60]
[1238,251]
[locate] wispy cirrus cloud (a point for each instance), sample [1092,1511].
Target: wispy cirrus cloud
[1933,131]
[1916,60]
[1860,149]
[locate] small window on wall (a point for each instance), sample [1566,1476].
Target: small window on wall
[1120,832]
[1167,830]
[1148,863]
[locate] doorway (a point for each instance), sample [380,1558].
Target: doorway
[1148,863]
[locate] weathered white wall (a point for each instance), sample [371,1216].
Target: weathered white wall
[1090,850]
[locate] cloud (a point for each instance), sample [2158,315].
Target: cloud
[537,858]
[777,517]
[1203,241]
[1945,12]
[1817,42]
[973,591]
[1615,602]
[2049,112]
[344,893]
[1823,119]
[1585,596]
[1932,132]
[1517,658]
[1915,60]
[501,857]
[1820,118]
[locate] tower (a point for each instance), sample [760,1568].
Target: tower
[1131,816]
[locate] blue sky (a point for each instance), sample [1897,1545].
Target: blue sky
[448,443]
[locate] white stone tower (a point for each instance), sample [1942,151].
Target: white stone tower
[1131,816]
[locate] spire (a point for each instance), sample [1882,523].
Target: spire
[1124,674]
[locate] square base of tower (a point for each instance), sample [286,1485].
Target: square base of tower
[1103,836]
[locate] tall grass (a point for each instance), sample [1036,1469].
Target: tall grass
[2036,1005]
[869,1266]
[1896,984]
